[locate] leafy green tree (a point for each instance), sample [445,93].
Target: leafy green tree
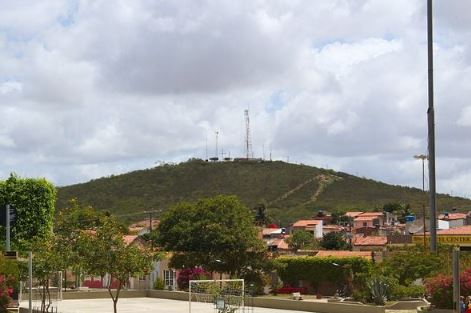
[70,225]
[34,200]
[216,233]
[48,261]
[301,239]
[105,252]
[334,241]
[261,217]
[410,264]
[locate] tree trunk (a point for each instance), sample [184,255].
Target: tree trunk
[116,297]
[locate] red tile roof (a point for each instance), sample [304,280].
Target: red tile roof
[372,214]
[128,239]
[352,214]
[463,230]
[344,254]
[452,216]
[333,227]
[280,243]
[305,223]
[370,241]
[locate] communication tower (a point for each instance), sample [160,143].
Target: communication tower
[248,142]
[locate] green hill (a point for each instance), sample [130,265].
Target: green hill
[289,191]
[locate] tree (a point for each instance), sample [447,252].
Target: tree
[70,225]
[261,217]
[216,233]
[48,261]
[334,241]
[34,201]
[300,239]
[411,264]
[105,252]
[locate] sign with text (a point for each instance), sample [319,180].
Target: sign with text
[452,240]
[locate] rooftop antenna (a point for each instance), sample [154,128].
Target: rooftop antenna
[248,143]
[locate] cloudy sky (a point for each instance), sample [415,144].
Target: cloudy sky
[92,88]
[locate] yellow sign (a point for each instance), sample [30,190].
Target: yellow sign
[444,239]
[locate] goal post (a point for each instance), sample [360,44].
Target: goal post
[225,295]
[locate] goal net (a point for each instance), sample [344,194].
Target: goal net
[223,296]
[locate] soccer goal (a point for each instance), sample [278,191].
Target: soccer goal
[224,295]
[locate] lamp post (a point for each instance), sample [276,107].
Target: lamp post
[423,157]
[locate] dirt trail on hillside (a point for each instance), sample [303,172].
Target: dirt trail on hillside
[324,181]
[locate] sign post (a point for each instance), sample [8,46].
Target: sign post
[7,227]
[456,279]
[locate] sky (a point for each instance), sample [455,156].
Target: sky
[94,88]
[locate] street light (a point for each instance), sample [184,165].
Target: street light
[423,157]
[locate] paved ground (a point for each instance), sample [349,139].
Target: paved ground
[153,305]
[142,305]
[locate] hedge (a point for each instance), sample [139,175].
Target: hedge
[320,269]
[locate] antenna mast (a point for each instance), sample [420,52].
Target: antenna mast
[248,143]
[217,134]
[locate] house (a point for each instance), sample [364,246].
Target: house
[274,239]
[332,229]
[312,226]
[353,214]
[279,245]
[368,219]
[369,243]
[451,220]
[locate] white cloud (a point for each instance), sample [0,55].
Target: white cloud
[88,88]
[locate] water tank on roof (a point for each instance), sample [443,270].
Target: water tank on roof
[410,218]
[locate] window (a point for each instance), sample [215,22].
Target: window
[170,276]
[365,224]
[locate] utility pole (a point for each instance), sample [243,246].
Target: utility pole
[423,157]
[431,132]
[150,221]
[7,228]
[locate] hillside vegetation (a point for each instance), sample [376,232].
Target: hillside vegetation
[289,191]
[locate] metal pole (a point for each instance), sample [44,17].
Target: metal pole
[431,132]
[30,274]
[423,205]
[7,228]
[189,297]
[456,279]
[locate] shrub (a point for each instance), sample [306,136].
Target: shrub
[159,284]
[440,290]
[188,274]
[412,291]
[317,270]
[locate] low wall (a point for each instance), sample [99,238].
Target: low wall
[285,304]
[172,295]
[320,307]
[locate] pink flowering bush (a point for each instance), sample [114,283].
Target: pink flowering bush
[440,288]
[188,274]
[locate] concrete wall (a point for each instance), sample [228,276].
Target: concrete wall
[320,307]
[272,303]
